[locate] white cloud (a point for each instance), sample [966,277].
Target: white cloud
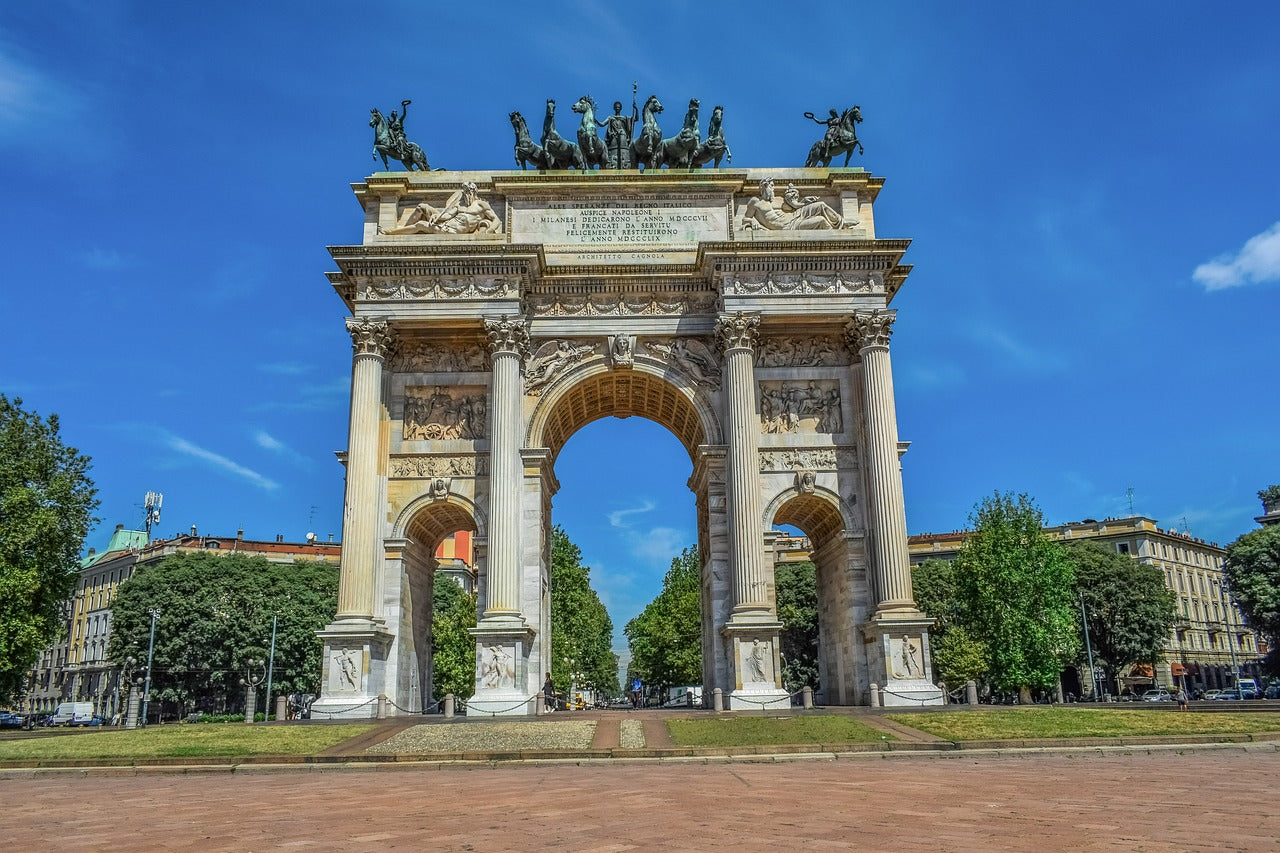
[103,259]
[31,101]
[617,517]
[1016,354]
[1257,261]
[220,462]
[267,441]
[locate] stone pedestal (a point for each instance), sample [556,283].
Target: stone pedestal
[353,669]
[899,660]
[502,664]
[756,662]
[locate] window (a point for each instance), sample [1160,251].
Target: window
[1122,547]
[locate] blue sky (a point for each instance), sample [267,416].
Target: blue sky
[1091,191]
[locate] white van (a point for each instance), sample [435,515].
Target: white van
[72,714]
[1248,688]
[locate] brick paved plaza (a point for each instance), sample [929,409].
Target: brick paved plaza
[1162,800]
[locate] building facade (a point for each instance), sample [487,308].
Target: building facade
[1210,640]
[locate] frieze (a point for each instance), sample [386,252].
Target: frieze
[624,304]
[805,459]
[443,414]
[440,288]
[775,283]
[792,407]
[551,359]
[692,356]
[437,466]
[427,357]
[814,351]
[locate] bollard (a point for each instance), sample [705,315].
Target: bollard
[807,695]
[1060,700]
[382,706]
[448,706]
[282,708]
[946,700]
[539,705]
[971,692]
[875,695]
[717,699]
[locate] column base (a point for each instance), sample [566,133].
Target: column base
[898,658]
[503,644]
[755,660]
[353,670]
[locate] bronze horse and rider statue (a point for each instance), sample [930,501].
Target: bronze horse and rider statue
[841,137]
[621,148]
[389,140]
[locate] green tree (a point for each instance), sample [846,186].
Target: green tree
[666,638]
[1252,569]
[581,629]
[957,655]
[1131,611]
[1016,593]
[453,614]
[797,596]
[46,508]
[214,615]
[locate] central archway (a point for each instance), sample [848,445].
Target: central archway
[656,392]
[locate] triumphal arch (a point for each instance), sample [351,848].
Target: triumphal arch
[493,314]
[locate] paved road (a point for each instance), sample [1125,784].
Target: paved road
[1203,799]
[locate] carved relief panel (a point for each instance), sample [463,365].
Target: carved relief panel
[691,356]
[794,351]
[440,414]
[552,358]
[346,667]
[797,407]
[429,357]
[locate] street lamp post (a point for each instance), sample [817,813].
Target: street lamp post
[151,648]
[271,665]
[1093,673]
[255,672]
[1226,620]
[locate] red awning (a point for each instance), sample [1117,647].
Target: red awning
[1177,670]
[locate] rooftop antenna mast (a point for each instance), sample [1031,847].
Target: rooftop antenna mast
[1129,494]
[152,504]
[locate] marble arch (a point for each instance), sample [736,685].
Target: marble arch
[754,330]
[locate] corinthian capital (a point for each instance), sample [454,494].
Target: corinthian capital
[738,330]
[507,334]
[370,337]
[870,328]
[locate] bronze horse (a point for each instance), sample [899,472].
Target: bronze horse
[527,151]
[385,144]
[561,153]
[589,142]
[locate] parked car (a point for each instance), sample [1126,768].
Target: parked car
[1272,692]
[1160,695]
[10,720]
[1231,694]
[1211,694]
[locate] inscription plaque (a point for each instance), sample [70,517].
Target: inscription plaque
[619,222]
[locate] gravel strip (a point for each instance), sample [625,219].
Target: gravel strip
[632,735]
[488,737]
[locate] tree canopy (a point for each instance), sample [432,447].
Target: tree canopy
[957,655]
[581,630]
[797,597]
[1252,569]
[666,637]
[214,615]
[46,508]
[453,614]
[1130,609]
[1016,590]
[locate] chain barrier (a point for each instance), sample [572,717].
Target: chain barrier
[338,711]
[466,706]
[884,692]
[763,703]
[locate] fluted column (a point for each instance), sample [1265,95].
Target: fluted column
[737,335]
[371,341]
[869,335]
[508,344]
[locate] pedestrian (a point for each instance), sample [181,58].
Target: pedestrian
[549,694]
[1182,698]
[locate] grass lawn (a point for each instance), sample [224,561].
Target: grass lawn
[770,731]
[1083,722]
[203,739]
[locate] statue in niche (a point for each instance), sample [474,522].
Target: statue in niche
[464,213]
[757,665]
[841,137]
[440,417]
[908,664]
[792,213]
[549,361]
[787,408]
[498,670]
[348,672]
